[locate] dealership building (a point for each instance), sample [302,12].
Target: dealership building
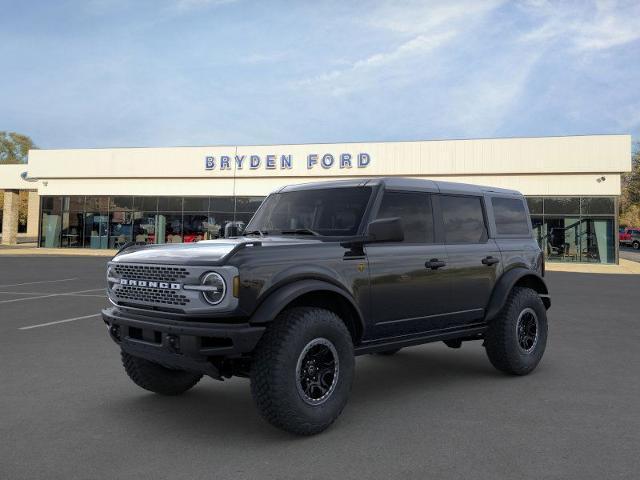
[104,198]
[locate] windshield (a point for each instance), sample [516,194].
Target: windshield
[327,212]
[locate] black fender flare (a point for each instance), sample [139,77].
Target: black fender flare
[505,284]
[278,299]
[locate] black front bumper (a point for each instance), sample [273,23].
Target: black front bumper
[180,344]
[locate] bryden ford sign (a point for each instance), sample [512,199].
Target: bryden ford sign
[286,162]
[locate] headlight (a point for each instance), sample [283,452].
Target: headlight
[215,288]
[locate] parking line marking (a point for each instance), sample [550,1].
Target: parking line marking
[60,321]
[47,293]
[50,295]
[41,281]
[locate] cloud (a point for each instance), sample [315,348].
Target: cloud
[264,57]
[186,5]
[418,31]
[605,25]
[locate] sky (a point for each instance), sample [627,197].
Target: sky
[113,73]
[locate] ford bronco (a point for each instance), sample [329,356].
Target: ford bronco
[324,272]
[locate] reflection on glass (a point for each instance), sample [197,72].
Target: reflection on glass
[120,229]
[144,228]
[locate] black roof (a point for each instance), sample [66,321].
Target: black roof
[402,183]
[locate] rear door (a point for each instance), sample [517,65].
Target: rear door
[408,283]
[474,258]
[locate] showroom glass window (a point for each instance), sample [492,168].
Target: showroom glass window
[111,221]
[575,229]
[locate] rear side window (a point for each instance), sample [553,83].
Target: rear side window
[511,217]
[414,209]
[463,219]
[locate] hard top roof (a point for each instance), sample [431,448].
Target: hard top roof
[403,183]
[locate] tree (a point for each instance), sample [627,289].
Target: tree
[14,147]
[630,198]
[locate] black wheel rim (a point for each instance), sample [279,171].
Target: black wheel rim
[317,371]
[527,330]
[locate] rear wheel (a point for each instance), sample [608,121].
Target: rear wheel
[517,338]
[636,245]
[302,370]
[156,378]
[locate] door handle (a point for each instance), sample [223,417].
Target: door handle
[490,260]
[434,264]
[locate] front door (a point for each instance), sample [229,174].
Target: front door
[474,259]
[408,280]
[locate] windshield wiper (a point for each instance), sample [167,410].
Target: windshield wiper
[262,233]
[300,231]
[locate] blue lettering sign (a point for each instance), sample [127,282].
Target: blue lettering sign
[270,163]
[285,162]
[327,160]
[363,160]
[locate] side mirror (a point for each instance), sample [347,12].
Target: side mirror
[385,230]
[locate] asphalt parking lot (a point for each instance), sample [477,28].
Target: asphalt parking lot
[69,411]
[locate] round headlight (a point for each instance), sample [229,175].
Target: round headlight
[216,288]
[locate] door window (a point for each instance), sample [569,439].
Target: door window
[463,219]
[414,209]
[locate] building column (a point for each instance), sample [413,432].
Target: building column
[10,217]
[33,214]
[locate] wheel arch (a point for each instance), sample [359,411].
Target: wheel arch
[517,277]
[312,293]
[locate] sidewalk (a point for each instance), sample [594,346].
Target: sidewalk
[33,250]
[626,267]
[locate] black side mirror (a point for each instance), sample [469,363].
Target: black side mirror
[385,230]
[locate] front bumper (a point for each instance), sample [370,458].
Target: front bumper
[178,344]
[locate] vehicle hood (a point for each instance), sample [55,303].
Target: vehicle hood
[206,252]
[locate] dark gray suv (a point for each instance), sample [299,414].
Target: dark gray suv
[327,271]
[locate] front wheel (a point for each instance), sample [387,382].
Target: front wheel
[636,245]
[302,370]
[517,337]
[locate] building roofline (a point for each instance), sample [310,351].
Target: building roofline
[230,145]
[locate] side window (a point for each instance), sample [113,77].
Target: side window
[511,217]
[415,211]
[463,219]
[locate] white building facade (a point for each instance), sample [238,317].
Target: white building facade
[103,198]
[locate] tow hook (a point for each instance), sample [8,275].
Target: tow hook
[173,342]
[114,331]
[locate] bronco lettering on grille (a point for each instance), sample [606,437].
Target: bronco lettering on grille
[150,284]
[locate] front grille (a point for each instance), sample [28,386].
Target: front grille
[151,295]
[153,273]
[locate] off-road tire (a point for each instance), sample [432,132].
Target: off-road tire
[502,341]
[156,378]
[388,353]
[274,375]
